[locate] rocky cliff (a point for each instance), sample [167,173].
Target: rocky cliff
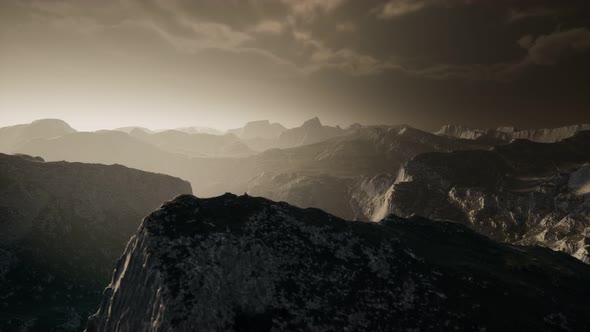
[250,264]
[522,192]
[62,227]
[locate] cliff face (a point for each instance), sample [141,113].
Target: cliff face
[62,227]
[250,264]
[522,192]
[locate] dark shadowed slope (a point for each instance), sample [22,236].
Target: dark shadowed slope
[106,147]
[522,192]
[62,227]
[250,264]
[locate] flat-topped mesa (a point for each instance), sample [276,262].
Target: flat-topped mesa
[247,263]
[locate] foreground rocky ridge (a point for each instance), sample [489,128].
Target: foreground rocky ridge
[244,263]
[62,227]
[522,192]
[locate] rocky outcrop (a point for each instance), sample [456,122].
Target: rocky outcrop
[506,134]
[310,132]
[249,264]
[62,227]
[522,192]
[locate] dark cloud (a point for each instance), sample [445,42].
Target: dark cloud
[420,62]
[392,9]
[555,47]
[515,15]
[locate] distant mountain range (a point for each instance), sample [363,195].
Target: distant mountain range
[195,145]
[249,263]
[62,227]
[11,138]
[352,173]
[506,134]
[245,263]
[259,129]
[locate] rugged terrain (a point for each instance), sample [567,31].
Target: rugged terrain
[347,172]
[62,227]
[522,192]
[506,134]
[343,175]
[331,174]
[249,264]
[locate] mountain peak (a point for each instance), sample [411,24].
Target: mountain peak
[53,124]
[313,122]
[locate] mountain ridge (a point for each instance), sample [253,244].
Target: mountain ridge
[62,227]
[247,263]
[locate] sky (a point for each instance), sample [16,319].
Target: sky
[221,63]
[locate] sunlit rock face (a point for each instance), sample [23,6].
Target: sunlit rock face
[62,227]
[245,263]
[522,192]
[579,181]
[348,175]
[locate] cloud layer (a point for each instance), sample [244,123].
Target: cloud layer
[415,61]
